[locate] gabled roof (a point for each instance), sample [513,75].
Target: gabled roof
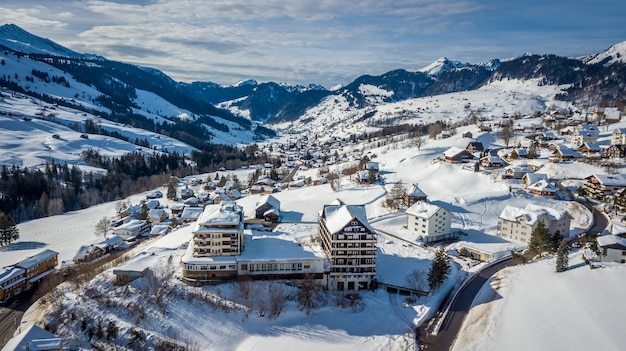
[611,242]
[37,259]
[532,178]
[270,200]
[415,191]
[543,185]
[610,179]
[339,216]
[456,151]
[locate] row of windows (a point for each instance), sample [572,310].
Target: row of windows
[276,267]
[193,267]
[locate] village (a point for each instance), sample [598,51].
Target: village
[231,215]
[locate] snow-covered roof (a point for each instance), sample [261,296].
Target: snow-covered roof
[271,247]
[151,258]
[551,212]
[34,338]
[423,209]
[227,213]
[532,178]
[415,191]
[512,214]
[611,179]
[191,212]
[453,151]
[32,261]
[270,200]
[543,185]
[156,213]
[10,273]
[130,225]
[83,252]
[339,216]
[612,242]
[161,229]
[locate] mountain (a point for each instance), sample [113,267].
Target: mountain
[441,65]
[228,111]
[17,39]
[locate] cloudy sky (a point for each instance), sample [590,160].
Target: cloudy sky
[328,42]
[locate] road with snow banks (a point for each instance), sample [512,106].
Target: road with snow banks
[460,306]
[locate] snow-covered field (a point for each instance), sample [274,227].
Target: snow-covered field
[531,307]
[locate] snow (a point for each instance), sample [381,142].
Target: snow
[531,307]
[475,200]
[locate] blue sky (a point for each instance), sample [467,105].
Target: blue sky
[327,42]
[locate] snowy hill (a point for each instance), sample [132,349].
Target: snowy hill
[614,54]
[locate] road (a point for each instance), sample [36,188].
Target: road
[459,308]
[10,317]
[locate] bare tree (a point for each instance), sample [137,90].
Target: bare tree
[507,134]
[103,226]
[308,296]
[277,299]
[415,280]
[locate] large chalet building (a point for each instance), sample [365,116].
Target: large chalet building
[26,273]
[350,245]
[601,186]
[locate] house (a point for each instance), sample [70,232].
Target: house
[586,133]
[565,153]
[491,162]
[431,221]
[362,177]
[618,137]
[536,164]
[542,187]
[191,202]
[612,248]
[139,265]
[518,153]
[186,193]
[456,155]
[265,204]
[190,214]
[601,186]
[474,146]
[590,151]
[87,253]
[177,209]
[112,243]
[160,230]
[132,228]
[516,172]
[320,181]
[467,134]
[612,115]
[34,338]
[154,195]
[532,178]
[414,195]
[350,245]
[157,215]
[616,151]
[517,224]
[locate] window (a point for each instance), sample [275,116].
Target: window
[244,267]
[307,265]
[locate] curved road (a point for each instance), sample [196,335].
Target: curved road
[462,303]
[458,310]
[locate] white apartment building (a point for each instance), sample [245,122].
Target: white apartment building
[431,221]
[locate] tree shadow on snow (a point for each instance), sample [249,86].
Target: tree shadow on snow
[23,245]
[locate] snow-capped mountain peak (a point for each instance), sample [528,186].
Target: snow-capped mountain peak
[615,53]
[246,82]
[441,65]
[16,38]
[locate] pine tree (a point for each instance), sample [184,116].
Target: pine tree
[8,229]
[439,270]
[539,239]
[171,188]
[143,215]
[562,260]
